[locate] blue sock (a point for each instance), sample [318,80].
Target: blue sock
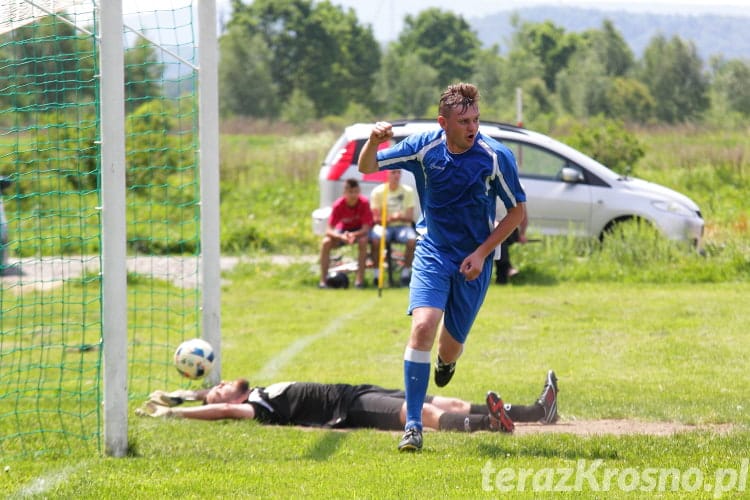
[416,379]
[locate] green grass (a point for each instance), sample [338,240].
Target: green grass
[639,329]
[654,352]
[253,462]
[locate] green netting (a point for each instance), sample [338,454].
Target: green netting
[50,294]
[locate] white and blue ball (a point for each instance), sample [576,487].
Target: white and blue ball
[194,358]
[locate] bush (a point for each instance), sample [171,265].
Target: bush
[608,142]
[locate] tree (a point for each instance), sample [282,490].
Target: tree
[442,40]
[548,43]
[586,88]
[537,99]
[594,82]
[673,73]
[153,150]
[50,64]
[298,109]
[629,100]
[245,82]
[143,71]
[317,49]
[730,83]
[608,142]
[611,48]
[489,74]
[406,85]
[582,85]
[499,77]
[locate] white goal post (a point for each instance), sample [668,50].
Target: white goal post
[81,114]
[114,310]
[114,237]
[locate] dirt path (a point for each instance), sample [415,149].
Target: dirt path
[50,272]
[619,428]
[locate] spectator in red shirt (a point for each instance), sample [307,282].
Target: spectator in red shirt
[349,224]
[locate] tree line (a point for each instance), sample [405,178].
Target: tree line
[49,101]
[48,63]
[299,60]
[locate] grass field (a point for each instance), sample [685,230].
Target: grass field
[639,330]
[650,352]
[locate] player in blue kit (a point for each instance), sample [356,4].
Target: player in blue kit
[459,175]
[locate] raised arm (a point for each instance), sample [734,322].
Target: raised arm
[368,162]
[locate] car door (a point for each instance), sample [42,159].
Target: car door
[559,198]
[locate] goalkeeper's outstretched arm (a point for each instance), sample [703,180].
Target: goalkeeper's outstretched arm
[176,398]
[216,411]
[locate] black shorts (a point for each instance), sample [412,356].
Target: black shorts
[378,410]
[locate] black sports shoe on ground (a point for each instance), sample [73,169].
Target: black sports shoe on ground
[499,419]
[548,399]
[443,372]
[411,440]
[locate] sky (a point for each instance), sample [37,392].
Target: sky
[386,16]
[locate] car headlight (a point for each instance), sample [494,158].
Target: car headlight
[674,208]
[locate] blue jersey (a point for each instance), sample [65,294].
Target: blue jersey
[457,192]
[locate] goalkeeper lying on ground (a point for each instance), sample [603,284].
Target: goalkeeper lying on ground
[348,406]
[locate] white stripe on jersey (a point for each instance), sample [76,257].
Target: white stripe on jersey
[496,171]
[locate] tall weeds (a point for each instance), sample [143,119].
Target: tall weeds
[270,188]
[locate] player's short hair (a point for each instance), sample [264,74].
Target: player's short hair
[458,96]
[351,184]
[242,384]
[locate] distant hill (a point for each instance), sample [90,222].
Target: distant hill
[711,34]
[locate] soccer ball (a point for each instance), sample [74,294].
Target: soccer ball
[194,358]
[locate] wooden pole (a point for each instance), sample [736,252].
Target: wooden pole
[381,253]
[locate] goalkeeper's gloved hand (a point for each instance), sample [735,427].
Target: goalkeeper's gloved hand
[150,409]
[173,398]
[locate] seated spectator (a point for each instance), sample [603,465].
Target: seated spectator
[349,224]
[399,220]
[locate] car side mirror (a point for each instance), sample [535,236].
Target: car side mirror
[571,175]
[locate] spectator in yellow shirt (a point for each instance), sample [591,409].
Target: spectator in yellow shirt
[399,220]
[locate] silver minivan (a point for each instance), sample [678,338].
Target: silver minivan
[567,191]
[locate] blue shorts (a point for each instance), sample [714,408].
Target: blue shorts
[437,282]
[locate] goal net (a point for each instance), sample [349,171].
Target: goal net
[52,331]
[17,13]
